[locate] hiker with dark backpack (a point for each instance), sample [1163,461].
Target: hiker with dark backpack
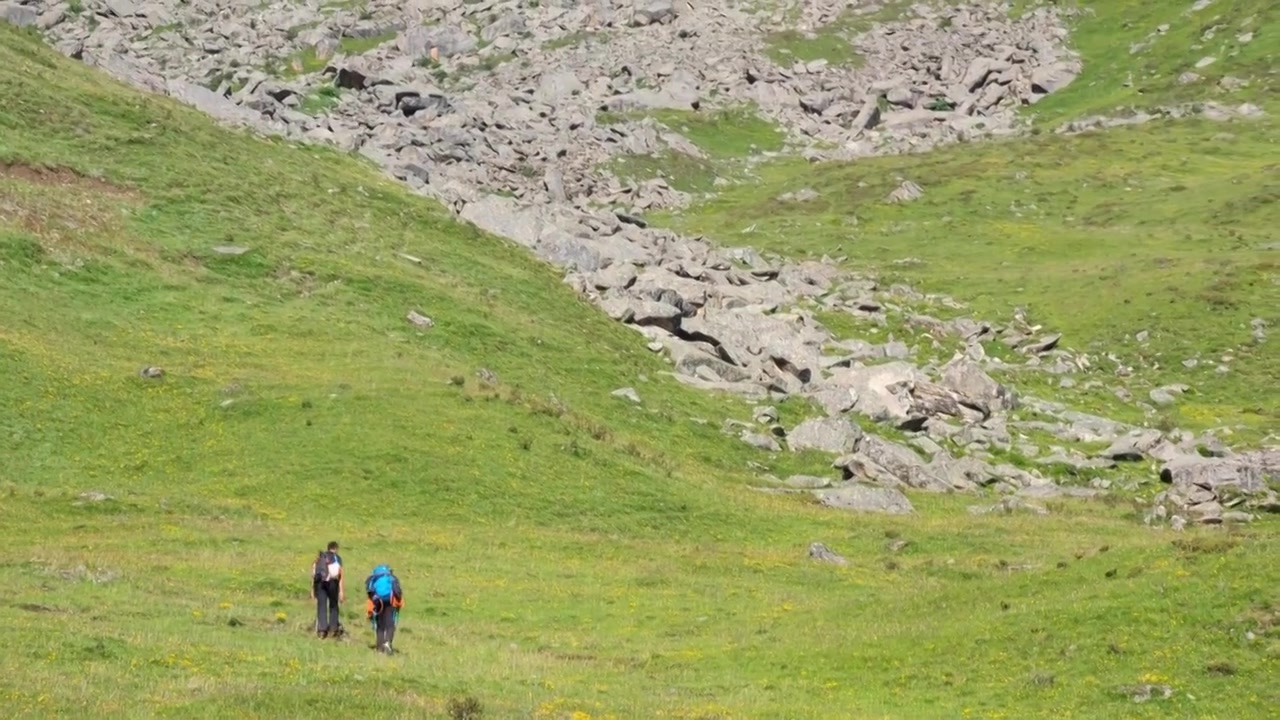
[328,588]
[385,600]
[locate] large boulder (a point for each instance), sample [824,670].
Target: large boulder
[649,12]
[830,434]
[418,42]
[751,339]
[975,387]
[1134,446]
[20,15]
[883,391]
[1208,487]
[890,464]
[1053,77]
[866,498]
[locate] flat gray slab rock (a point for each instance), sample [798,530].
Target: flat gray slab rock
[866,498]
[835,435]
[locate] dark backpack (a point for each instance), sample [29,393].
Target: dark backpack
[321,573]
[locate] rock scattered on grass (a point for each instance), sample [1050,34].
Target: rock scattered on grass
[821,553]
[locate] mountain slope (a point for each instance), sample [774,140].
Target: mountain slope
[565,557]
[1150,246]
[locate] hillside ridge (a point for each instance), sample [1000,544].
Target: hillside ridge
[509,113]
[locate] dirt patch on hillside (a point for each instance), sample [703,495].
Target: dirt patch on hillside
[73,216]
[63,177]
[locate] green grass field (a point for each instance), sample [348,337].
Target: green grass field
[565,554]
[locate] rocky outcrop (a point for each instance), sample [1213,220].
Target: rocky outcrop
[504,96]
[1217,489]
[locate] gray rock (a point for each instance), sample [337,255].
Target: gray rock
[557,87]
[882,391]
[868,117]
[122,8]
[94,496]
[1052,78]
[509,24]
[627,393]
[906,192]
[1205,487]
[1143,693]
[1247,473]
[890,464]
[648,12]
[760,441]
[20,15]
[1076,463]
[765,414]
[976,388]
[1048,491]
[831,434]
[419,320]
[642,312]
[822,553]
[1043,345]
[1134,446]
[836,401]
[1008,506]
[807,482]
[447,41]
[860,497]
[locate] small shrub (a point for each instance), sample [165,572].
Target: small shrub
[1206,545]
[599,432]
[1042,679]
[465,708]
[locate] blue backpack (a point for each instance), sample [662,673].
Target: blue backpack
[381,583]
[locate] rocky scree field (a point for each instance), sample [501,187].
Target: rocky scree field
[588,529]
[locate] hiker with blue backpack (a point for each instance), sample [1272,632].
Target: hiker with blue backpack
[383,609]
[328,588]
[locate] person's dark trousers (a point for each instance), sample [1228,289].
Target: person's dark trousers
[386,625]
[327,622]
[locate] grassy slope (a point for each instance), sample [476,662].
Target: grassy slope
[831,42]
[1167,228]
[726,137]
[562,556]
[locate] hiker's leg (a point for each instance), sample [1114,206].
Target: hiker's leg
[391,625]
[386,626]
[333,608]
[322,608]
